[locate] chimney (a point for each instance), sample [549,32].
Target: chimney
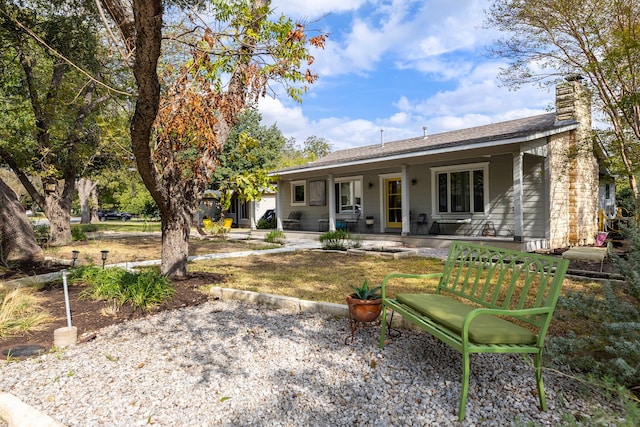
[572,100]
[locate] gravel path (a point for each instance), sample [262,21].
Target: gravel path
[227,363]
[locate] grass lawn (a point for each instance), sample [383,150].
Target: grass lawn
[310,275]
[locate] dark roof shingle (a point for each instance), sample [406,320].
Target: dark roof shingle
[511,129]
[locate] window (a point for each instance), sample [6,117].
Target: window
[298,192]
[460,189]
[349,195]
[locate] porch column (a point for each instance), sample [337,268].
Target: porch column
[406,204]
[252,215]
[518,227]
[332,203]
[279,206]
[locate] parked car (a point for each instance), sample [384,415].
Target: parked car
[114,215]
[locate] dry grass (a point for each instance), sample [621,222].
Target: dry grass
[310,275]
[133,249]
[317,275]
[20,311]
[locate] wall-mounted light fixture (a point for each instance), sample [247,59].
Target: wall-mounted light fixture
[414,181]
[370,184]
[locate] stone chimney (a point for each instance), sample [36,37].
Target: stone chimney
[577,159]
[573,102]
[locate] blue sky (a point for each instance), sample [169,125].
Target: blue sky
[398,65]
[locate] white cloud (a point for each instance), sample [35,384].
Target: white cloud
[438,38]
[313,9]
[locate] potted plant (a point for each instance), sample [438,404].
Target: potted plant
[364,303]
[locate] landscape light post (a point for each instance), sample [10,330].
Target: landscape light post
[74,257]
[104,257]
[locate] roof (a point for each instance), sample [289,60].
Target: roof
[519,130]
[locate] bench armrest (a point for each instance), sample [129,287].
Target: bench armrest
[383,286]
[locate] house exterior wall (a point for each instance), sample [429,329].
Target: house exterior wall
[501,195]
[535,215]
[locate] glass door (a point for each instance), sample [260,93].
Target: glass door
[393,202]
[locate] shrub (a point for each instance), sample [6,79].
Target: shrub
[20,311]
[612,347]
[275,236]
[336,240]
[264,224]
[78,234]
[142,289]
[42,233]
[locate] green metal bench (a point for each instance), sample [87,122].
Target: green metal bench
[488,300]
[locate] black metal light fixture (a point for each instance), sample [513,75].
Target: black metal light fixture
[104,253]
[414,181]
[74,257]
[370,184]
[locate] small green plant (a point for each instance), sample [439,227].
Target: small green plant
[275,236]
[20,311]
[216,228]
[364,292]
[78,234]
[335,240]
[42,234]
[264,224]
[142,289]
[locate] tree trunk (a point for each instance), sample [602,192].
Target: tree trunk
[86,188]
[94,205]
[175,244]
[17,240]
[57,208]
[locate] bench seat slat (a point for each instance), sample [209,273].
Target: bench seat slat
[451,313]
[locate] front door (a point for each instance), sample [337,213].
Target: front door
[393,202]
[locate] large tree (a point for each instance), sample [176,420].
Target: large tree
[47,132]
[251,151]
[183,117]
[17,240]
[596,39]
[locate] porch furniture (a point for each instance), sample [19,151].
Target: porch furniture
[478,284]
[292,222]
[323,223]
[421,221]
[457,222]
[348,221]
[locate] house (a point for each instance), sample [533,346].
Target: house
[532,181]
[244,213]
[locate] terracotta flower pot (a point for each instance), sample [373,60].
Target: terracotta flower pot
[364,310]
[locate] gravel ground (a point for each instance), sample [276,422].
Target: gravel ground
[227,363]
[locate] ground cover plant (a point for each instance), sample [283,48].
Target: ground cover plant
[604,338]
[142,289]
[21,310]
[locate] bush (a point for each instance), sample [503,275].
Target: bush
[142,289]
[275,236]
[264,224]
[336,240]
[612,347]
[42,233]
[78,234]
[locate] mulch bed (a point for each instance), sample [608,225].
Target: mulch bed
[87,315]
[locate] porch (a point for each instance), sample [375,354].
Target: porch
[440,241]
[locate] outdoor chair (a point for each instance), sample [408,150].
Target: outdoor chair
[421,221]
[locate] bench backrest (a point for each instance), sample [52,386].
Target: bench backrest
[295,215]
[504,279]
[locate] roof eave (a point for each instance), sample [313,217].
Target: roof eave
[444,150]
